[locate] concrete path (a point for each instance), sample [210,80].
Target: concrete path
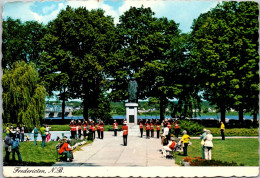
[111,152]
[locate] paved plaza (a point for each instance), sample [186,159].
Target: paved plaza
[111,152]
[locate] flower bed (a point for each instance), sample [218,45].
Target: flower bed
[197,161]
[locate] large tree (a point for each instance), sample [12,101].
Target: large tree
[23,95]
[21,41]
[224,49]
[81,41]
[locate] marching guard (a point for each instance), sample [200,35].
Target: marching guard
[102,130]
[79,129]
[98,129]
[147,128]
[115,126]
[158,128]
[141,127]
[152,129]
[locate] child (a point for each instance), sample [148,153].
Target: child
[27,138]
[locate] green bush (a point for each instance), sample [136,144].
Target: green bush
[192,128]
[235,132]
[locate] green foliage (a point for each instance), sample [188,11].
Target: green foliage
[192,128]
[23,95]
[21,41]
[235,132]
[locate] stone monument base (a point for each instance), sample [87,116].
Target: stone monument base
[131,113]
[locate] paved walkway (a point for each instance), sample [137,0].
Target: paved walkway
[111,152]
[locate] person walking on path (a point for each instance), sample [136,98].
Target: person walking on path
[8,147]
[185,140]
[35,134]
[15,142]
[115,127]
[147,128]
[141,126]
[208,145]
[125,133]
[222,129]
[158,128]
[43,134]
[176,129]
[152,130]
[102,130]
[202,143]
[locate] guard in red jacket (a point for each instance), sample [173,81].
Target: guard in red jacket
[94,130]
[125,133]
[169,125]
[152,129]
[147,128]
[141,127]
[158,128]
[74,129]
[115,127]
[176,129]
[102,130]
[98,129]
[71,129]
[79,129]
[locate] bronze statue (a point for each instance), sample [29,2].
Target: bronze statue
[132,89]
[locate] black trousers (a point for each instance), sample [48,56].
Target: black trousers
[177,132]
[152,133]
[158,133]
[79,133]
[141,130]
[102,134]
[98,132]
[84,133]
[169,134]
[185,149]
[94,134]
[115,132]
[147,133]
[7,155]
[125,140]
[222,134]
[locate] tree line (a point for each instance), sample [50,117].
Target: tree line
[83,54]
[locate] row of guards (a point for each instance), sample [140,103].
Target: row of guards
[152,125]
[89,128]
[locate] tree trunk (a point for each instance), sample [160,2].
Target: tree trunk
[63,109]
[240,114]
[255,118]
[162,109]
[223,114]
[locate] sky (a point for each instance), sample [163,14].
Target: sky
[182,12]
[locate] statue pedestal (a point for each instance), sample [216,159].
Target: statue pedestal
[131,113]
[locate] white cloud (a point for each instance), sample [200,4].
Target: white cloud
[47,9]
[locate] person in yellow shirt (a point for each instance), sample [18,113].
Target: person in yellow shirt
[8,130]
[222,129]
[185,140]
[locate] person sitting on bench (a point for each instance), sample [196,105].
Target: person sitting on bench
[170,147]
[65,149]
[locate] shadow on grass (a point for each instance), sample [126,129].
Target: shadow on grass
[25,163]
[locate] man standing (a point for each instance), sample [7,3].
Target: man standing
[79,129]
[125,133]
[98,129]
[185,140]
[22,133]
[222,129]
[202,143]
[15,148]
[85,129]
[158,128]
[43,134]
[141,127]
[152,129]
[71,129]
[35,134]
[176,129]
[94,130]
[115,126]
[8,147]
[8,129]
[169,125]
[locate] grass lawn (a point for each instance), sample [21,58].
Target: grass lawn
[241,151]
[36,155]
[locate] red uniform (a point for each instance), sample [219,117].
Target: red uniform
[158,127]
[85,127]
[152,126]
[125,129]
[115,125]
[169,125]
[101,127]
[147,127]
[93,128]
[172,145]
[141,125]
[98,127]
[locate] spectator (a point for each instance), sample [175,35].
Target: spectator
[65,149]
[165,134]
[169,147]
[8,129]
[208,145]
[27,138]
[8,147]
[185,140]
[43,134]
[15,148]
[22,133]
[202,143]
[35,134]
[222,129]
[48,135]
[17,132]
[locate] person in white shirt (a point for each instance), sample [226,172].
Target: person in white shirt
[164,135]
[208,145]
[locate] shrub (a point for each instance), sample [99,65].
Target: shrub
[192,128]
[202,162]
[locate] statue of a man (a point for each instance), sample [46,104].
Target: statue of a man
[132,89]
